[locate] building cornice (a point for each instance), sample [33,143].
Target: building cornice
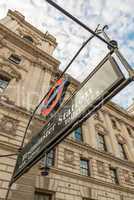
[20,18]
[119,110]
[7,104]
[29,48]
[106,155]
[11,147]
[92,180]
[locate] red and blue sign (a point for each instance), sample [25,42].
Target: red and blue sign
[55,97]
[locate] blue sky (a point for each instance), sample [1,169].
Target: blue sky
[118,15]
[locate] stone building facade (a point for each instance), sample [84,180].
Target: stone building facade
[95,162]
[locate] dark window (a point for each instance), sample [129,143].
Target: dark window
[28,38]
[14,59]
[113,174]
[42,196]
[122,151]
[114,124]
[101,142]
[77,134]
[129,131]
[84,167]
[50,158]
[85,198]
[4,81]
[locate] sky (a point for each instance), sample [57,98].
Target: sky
[118,15]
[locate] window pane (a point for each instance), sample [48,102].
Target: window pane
[84,167]
[77,135]
[28,38]
[40,196]
[3,83]
[50,158]
[113,174]
[101,142]
[114,125]
[14,59]
[122,151]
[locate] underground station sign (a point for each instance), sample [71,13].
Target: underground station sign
[99,84]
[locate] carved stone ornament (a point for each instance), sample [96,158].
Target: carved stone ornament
[100,167]
[97,116]
[68,156]
[101,128]
[24,31]
[7,69]
[121,139]
[126,175]
[8,125]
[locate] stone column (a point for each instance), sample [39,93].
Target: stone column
[46,81]
[128,147]
[85,132]
[112,136]
[91,136]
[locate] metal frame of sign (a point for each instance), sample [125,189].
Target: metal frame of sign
[54,139]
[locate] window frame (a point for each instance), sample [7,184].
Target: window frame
[5,79]
[28,39]
[122,151]
[51,158]
[114,124]
[99,142]
[87,168]
[130,132]
[43,193]
[14,59]
[81,134]
[114,179]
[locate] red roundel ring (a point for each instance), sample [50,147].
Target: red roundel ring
[55,95]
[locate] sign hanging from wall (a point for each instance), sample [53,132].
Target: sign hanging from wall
[54,98]
[100,83]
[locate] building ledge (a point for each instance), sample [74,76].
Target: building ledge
[29,48]
[92,180]
[106,155]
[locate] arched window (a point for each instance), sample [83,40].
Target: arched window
[101,142]
[122,152]
[28,38]
[4,81]
[77,134]
[15,59]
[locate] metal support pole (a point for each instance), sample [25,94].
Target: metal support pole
[79,22]
[118,54]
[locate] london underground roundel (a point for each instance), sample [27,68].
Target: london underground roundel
[55,97]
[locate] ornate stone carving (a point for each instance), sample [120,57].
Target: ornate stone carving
[126,175]
[9,70]
[97,116]
[100,167]
[101,128]
[115,123]
[8,125]
[68,156]
[121,139]
[23,31]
